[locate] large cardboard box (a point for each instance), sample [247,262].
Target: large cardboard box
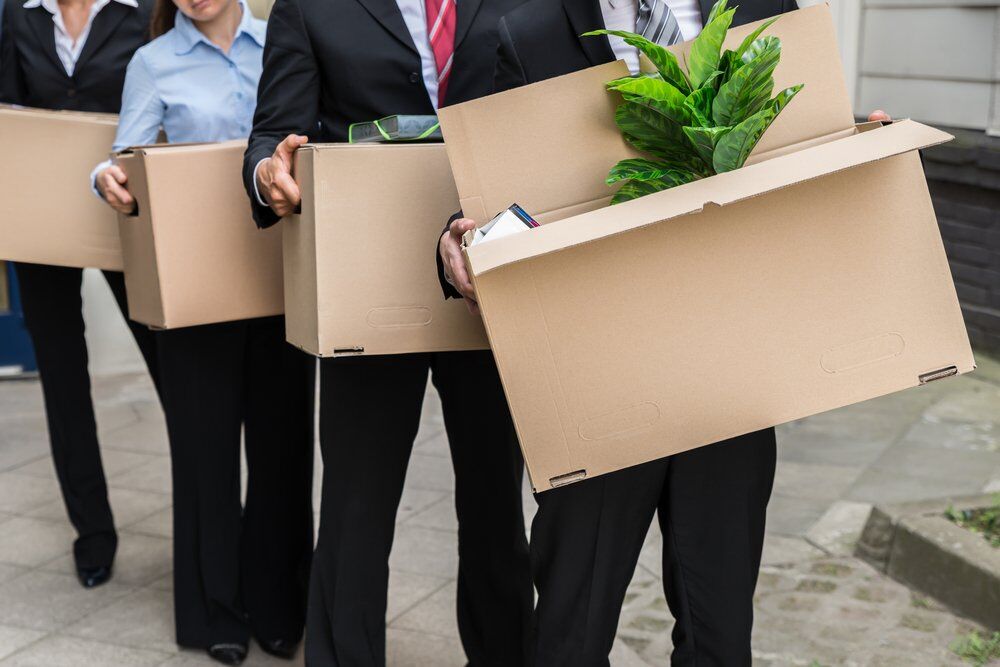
[359,274]
[48,214]
[812,279]
[193,254]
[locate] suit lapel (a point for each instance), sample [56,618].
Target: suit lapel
[103,27]
[756,9]
[584,16]
[387,13]
[467,10]
[41,23]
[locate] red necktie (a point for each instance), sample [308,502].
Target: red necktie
[441,34]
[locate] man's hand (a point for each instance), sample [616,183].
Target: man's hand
[455,273]
[112,184]
[274,177]
[879,115]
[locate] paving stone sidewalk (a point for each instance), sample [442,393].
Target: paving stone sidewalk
[815,602]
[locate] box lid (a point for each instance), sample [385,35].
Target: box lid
[562,135]
[720,190]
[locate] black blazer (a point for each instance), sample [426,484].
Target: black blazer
[31,73]
[330,63]
[541,39]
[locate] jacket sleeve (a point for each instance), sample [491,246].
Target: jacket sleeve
[509,72]
[12,90]
[287,96]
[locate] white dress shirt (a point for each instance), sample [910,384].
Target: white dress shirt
[622,14]
[68,50]
[415,16]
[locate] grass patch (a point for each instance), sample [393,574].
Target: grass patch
[984,520]
[977,649]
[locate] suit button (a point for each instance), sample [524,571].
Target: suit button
[71,92]
[414,77]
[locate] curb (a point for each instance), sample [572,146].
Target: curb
[915,544]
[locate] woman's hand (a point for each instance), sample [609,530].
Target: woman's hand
[112,184]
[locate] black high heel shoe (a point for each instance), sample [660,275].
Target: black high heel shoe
[228,654]
[279,648]
[91,577]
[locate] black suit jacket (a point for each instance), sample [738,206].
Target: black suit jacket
[31,73]
[541,39]
[330,63]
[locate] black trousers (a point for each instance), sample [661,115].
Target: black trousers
[369,414]
[239,570]
[586,539]
[53,313]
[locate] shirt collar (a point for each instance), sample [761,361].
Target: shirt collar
[188,35]
[52,6]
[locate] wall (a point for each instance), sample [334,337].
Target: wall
[109,341]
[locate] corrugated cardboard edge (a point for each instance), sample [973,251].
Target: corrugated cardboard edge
[720,190]
[301,262]
[142,283]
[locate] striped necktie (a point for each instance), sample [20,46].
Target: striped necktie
[441,34]
[657,23]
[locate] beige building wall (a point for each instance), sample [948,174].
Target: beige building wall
[933,60]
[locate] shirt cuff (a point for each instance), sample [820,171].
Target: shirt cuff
[256,191]
[93,177]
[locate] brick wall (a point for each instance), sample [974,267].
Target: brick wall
[964,179]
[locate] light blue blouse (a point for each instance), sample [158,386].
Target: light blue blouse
[190,87]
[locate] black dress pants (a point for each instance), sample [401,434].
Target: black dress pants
[369,414]
[239,570]
[53,313]
[586,539]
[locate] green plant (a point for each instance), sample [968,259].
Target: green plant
[984,520]
[977,649]
[701,121]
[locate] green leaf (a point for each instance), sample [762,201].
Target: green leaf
[703,60]
[655,94]
[761,45]
[750,86]
[782,99]
[717,8]
[635,189]
[705,139]
[680,162]
[664,61]
[752,37]
[663,137]
[699,104]
[638,169]
[733,149]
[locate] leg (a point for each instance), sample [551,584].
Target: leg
[369,414]
[144,337]
[202,379]
[585,543]
[494,580]
[277,538]
[712,516]
[54,317]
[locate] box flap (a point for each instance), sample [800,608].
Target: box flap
[62,115]
[720,190]
[549,146]
[184,147]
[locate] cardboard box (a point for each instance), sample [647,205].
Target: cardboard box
[358,279]
[48,214]
[812,279]
[193,254]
